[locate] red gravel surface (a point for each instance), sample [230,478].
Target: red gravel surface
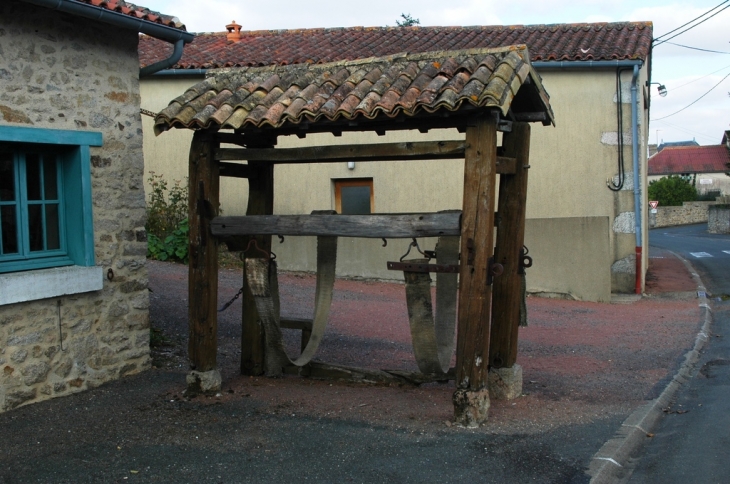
[582,361]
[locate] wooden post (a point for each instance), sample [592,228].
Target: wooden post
[260,202]
[505,376]
[507,290]
[203,266]
[471,399]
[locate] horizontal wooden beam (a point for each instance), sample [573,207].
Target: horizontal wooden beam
[390,226]
[424,150]
[427,150]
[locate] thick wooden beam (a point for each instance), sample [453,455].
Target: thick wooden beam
[367,226]
[426,150]
[507,290]
[260,202]
[203,253]
[477,227]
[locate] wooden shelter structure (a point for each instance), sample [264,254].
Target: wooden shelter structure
[479,91]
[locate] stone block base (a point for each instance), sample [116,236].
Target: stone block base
[505,383]
[205,382]
[471,408]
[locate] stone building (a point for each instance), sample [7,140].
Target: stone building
[586,212]
[73,281]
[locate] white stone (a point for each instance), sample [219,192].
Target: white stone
[505,383]
[625,223]
[45,283]
[204,381]
[610,138]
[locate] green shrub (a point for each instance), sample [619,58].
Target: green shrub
[672,191]
[167,223]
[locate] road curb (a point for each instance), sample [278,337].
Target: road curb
[608,465]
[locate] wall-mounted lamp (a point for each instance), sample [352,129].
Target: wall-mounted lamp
[662,89]
[350,165]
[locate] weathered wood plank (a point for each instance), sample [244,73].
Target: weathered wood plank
[424,150]
[260,202]
[326,371]
[429,150]
[477,227]
[507,289]
[203,250]
[367,226]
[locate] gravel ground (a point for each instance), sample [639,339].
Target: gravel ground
[586,367]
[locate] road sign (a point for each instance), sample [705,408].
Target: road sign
[653,204]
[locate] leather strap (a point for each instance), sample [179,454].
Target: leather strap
[262,279]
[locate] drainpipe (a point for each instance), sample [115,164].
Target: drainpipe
[637,188]
[158,31]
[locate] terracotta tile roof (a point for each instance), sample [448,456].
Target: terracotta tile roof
[403,85]
[136,11]
[560,42]
[690,159]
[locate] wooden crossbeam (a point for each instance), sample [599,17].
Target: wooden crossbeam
[368,226]
[424,150]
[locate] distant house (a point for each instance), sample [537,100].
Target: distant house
[706,165]
[587,198]
[73,281]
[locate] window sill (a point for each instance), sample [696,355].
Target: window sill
[46,283]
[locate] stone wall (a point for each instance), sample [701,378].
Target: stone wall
[64,72]
[718,219]
[688,213]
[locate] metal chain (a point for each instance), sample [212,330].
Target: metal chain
[147,113]
[228,304]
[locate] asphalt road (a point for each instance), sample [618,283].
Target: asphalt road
[692,443]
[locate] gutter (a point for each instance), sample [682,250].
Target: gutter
[162,32]
[637,188]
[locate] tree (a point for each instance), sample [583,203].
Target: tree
[672,191]
[408,21]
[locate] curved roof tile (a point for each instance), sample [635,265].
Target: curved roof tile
[406,84]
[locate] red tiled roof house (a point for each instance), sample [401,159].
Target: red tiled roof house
[73,281]
[582,206]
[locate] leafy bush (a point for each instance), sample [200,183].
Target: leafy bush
[672,191]
[167,223]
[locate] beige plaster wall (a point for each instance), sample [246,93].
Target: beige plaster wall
[570,166]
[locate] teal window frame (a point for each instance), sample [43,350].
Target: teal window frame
[72,151]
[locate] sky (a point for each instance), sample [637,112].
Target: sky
[698,90]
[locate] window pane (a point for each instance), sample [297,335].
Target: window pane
[35,227]
[355,200]
[53,239]
[50,184]
[9,230]
[33,176]
[7,177]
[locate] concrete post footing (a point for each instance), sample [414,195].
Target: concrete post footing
[204,382]
[471,408]
[505,383]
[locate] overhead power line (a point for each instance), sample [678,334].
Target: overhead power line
[690,22]
[697,48]
[696,18]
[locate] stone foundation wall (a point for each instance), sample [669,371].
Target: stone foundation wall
[718,219]
[64,72]
[688,213]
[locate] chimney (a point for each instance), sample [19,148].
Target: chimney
[234,32]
